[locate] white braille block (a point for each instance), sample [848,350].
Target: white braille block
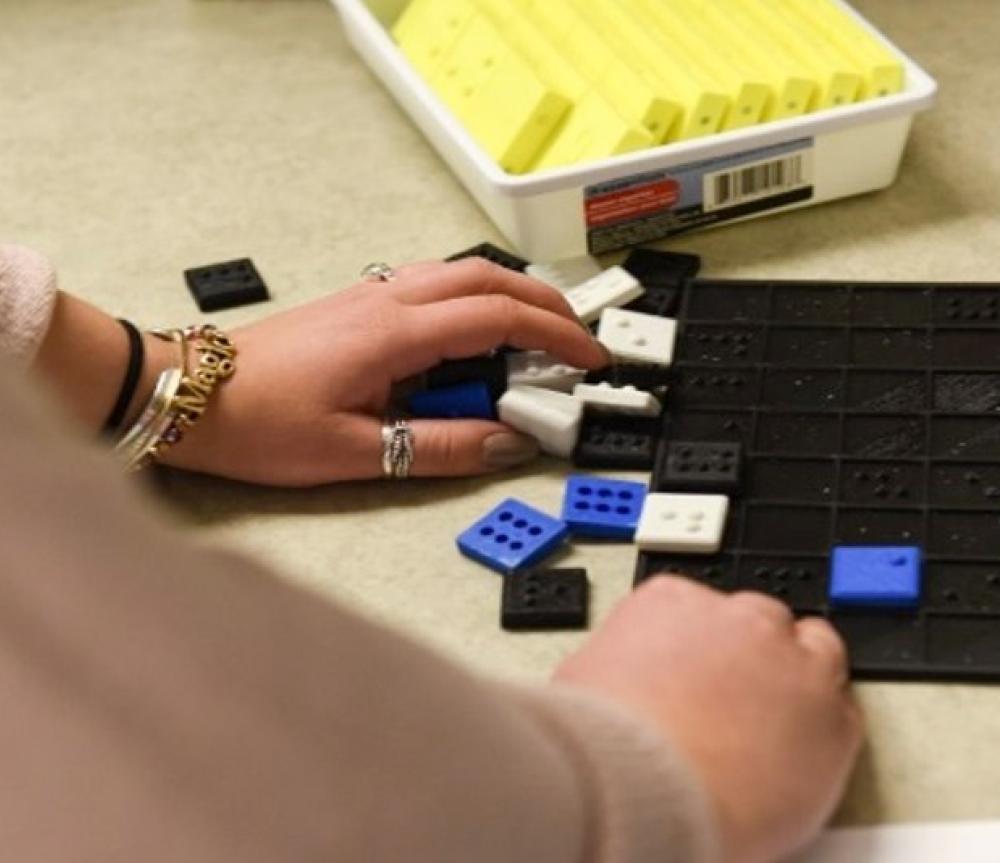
[638,338]
[552,418]
[541,369]
[619,400]
[689,523]
[613,287]
[566,274]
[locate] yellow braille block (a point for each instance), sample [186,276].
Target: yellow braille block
[792,90]
[618,81]
[503,104]
[683,41]
[427,29]
[882,71]
[839,81]
[593,128]
[702,105]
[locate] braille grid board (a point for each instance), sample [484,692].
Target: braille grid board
[869,415]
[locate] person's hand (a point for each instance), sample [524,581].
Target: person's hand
[312,384]
[757,702]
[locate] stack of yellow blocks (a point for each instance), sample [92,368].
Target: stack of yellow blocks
[547,83]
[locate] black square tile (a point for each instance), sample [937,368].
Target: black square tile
[226,285]
[545,599]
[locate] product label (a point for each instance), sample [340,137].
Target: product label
[657,204]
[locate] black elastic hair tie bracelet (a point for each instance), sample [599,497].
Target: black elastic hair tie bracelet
[136,359]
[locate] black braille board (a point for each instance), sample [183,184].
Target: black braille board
[868,414]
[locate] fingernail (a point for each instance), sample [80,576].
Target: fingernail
[506,449]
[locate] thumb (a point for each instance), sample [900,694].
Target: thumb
[465,447]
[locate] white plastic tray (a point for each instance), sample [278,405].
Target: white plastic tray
[834,153]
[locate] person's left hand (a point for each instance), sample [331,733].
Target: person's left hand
[313,384]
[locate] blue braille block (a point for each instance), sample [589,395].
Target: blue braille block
[469,400]
[875,576]
[604,508]
[512,536]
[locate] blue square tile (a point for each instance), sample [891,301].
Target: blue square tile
[512,536]
[603,508]
[875,576]
[460,401]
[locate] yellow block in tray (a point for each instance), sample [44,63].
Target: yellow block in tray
[427,29]
[792,90]
[703,106]
[679,36]
[839,80]
[621,83]
[593,128]
[501,101]
[882,70]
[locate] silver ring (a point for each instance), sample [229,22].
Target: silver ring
[397,449]
[378,272]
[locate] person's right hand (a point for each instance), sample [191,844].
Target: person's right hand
[758,702]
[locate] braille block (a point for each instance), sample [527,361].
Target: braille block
[638,338]
[602,508]
[545,599]
[613,287]
[702,467]
[491,253]
[490,370]
[541,369]
[688,523]
[512,536]
[616,442]
[226,285]
[875,576]
[619,400]
[461,401]
[552,418]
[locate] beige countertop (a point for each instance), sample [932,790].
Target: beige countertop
[141,137]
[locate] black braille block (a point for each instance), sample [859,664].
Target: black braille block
[655,268]
[545,599]
[702,467]
[494,254]
[617,442]
[226,285]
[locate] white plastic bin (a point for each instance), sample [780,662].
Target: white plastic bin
[655,193]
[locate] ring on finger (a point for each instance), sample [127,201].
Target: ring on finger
[378,271]
[397,449]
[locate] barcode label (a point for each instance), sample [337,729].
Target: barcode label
[747,183]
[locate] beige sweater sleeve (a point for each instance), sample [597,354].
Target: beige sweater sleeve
[27,296]
[167,702]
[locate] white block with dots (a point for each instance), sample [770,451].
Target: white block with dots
[541,369]
[687,523]
[638,338]
[565,274]
[552,418]
[610,288]
[619,400]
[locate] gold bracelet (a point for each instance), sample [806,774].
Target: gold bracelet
[216,363]
[180,397]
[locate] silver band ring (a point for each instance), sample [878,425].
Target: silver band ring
[397,449]
[378,272]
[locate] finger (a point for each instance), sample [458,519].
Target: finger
[476,277]
[467,447]
[824,642]
[765,606]
[465,327]
[440,447]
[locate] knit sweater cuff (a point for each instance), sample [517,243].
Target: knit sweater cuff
[27,297]
[645,803]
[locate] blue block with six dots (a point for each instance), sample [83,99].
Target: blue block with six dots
[603,508]
[512,536]
[878,576]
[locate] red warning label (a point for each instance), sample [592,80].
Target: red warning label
[632,202]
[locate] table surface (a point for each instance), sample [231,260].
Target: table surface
[141,137]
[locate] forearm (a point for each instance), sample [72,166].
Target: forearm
[83,357]
[201,700]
